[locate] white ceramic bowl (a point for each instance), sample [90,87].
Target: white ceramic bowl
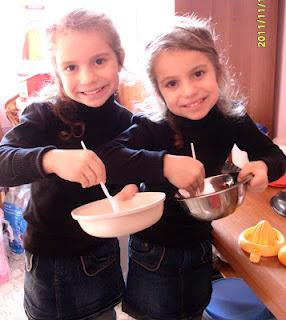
[140,212]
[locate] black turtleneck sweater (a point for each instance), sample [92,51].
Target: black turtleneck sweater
[213,137]
[51,229]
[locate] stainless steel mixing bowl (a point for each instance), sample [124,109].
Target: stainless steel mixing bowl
[222,194]
[278,203]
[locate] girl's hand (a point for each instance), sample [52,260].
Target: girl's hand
[258,169]
[82,166]
[184,172]
[127,192]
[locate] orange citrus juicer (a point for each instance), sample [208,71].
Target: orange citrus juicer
[261,240]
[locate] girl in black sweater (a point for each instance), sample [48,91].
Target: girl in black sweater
[69,274]
[170,263]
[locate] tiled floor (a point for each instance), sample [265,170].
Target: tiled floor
[11,293]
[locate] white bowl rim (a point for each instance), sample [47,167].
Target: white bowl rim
[112,215]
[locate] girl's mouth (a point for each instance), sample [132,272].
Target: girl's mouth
[195,103]
[93,92]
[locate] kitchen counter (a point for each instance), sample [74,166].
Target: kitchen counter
[268,277]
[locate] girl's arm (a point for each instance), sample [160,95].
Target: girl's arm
[134,156]
[140,155]
[267,161]
[23,147]
[27,153]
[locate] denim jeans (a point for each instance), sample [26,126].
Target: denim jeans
[167,283]
[73,288]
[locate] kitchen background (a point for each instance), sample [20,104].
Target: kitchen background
[262,71]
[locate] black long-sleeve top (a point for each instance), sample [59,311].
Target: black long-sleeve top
[213,137]
[51,229]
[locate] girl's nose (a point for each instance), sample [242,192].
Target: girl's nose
[188,89]
[87,76]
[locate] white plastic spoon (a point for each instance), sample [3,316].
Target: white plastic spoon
[194,156]
[193,151]
[112,201]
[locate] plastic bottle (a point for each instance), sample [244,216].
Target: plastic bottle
[4,266]
[14,205]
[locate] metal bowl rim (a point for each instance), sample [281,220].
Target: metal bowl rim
[236,185]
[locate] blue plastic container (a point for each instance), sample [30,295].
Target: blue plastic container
[232,299]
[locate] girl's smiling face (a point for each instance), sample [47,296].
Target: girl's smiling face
[187,82]
[87,67]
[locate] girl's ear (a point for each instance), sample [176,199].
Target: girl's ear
[121,58]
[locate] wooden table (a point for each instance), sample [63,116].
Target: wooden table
[268,277]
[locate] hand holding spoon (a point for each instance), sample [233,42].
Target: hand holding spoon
[112,201]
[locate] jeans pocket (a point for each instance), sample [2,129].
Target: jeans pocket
[148,255]
[99,259]
[202,254]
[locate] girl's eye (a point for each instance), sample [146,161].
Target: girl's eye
[171,84]
[199,73]
[70,68]
[99,61]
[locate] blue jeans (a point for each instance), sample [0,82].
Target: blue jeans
[73,288]
[167,283]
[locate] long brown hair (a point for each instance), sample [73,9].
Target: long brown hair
[76,20]
[192,33]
